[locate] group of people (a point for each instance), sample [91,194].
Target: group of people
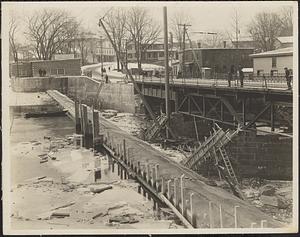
[240,75]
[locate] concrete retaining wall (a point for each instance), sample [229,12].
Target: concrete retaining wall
[112,96]
[39,84]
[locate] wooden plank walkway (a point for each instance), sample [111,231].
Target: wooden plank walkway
[206,200]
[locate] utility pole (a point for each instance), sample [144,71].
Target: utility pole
[183,51]
[101,56]
[183,48]
[236,29]
[166,41]
[172,54]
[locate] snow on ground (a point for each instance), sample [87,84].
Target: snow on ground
[133,125]
[67,188]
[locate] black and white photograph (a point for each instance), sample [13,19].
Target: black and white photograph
[149,117]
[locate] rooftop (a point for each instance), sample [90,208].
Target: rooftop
[277,52]
[285,39]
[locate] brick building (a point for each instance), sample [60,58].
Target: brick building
[216,61]
[69,67]
[153,54]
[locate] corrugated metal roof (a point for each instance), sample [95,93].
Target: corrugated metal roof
[277,52]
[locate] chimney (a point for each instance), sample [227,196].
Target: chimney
[199,44]
[224,44]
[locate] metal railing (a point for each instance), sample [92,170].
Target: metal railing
[220,80]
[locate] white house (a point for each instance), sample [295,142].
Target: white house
[272,62]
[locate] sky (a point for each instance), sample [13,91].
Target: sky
[204,16]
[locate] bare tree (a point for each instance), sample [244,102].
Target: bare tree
[49,30]
[264,29]
[116,22]
[143,31]
[286,17]
[178,19]
[13,45]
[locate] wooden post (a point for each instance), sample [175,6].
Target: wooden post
[235,217]
[272,117]
[85,124]
[138,167]
[175,193]
[169,189]
[153,180]
[148,172]
[181,194]
[166,48]
[211,218]
[162,188]
[95,124]
[121,170]
[124,149]
[191,209]
[221,216]
[263,223]
[77,119]
[156,176]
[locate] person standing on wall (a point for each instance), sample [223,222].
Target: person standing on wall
[241,75]
[288,78]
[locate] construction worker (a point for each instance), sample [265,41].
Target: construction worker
[241,75]
[106,78]
[288,78]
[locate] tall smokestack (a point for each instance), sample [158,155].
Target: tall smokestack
[224,44]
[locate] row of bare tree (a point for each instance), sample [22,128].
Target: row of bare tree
[54,31]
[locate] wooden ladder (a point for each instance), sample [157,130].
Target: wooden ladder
[228,165]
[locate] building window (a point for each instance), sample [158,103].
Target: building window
[274,61]
[60,71]
[161,54]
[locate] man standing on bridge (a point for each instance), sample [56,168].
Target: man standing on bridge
[241,75]
[230,75]
[288,78]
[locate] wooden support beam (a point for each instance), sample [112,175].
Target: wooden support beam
[272,117]
[258,116]
[244,111]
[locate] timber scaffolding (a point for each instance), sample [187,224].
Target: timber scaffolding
[213,148]
[197,204]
